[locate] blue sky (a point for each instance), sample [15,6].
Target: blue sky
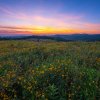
[50,16]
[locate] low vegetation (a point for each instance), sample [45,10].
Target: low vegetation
[49,70]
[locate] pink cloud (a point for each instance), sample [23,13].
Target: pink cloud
[92,25]
[57,21]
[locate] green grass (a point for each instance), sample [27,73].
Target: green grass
[49,70]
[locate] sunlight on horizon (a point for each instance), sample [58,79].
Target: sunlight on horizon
[46,17]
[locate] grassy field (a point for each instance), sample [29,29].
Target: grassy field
[49,70]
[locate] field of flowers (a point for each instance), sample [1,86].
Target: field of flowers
[49,70]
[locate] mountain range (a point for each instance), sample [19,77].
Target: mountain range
[57,37]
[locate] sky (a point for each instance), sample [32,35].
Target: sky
[49,17]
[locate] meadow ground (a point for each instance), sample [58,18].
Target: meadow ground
[49,70]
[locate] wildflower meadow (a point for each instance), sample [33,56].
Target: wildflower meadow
[49,70]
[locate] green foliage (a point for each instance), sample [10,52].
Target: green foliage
[49,70]
[52,92]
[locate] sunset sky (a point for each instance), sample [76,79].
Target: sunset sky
[49,17]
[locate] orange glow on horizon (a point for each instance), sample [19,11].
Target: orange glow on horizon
[43,30]
[44,18]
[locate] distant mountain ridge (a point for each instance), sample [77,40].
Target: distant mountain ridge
[81,37]
[57,37]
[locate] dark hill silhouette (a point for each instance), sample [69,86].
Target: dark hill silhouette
[69,37]
[81,37]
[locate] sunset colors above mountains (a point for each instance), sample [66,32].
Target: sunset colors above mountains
[49,17]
